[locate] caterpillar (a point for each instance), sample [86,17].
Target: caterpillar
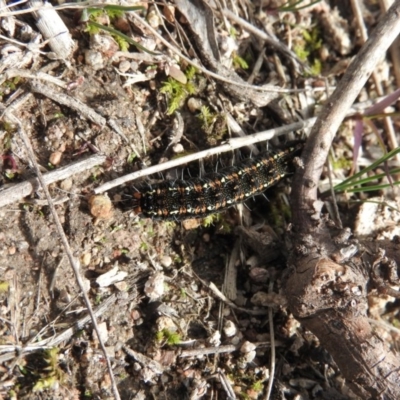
[199,197]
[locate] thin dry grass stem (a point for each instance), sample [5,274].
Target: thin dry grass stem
[227,386]
[388,123]
[222,297]
[208,350]
[230,279]
[273,352]
[268,38]
[74,263]
[7,352]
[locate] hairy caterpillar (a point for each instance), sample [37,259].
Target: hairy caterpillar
[198,197]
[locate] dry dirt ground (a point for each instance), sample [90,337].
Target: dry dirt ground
[168,333]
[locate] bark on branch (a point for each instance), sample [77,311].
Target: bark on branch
[327,290]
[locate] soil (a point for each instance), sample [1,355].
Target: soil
[164,305]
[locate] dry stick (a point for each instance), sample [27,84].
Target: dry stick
[70,102]
[7,352]
[231,144]
[17,192]
[268,38]
[230,348]
[304,195]
[67,248]
[81,108]
[231,304]
[23,73]
[272,337]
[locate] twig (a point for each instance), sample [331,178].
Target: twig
[72,259]
[272,338]
[222,297]
[227,386]
[144,360]
[209,350]
[23,73]
[8,351]
[268,38]
[232,144]
[70,102]
[20,190]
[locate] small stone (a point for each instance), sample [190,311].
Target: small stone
[229,329]
[22,245]
[55,158]
[135,314]
[192,223]
[103,331]
[215,339]
[154,287]
[166,261]
[100,207]
[153,19]
[12,250]
[121,286]
[259,275]
[249,357]
[194,104]
[166,323]
[247,347]
[169,13]
[177,148]
[124,66]
[66,184]
[85,259]
[94,59]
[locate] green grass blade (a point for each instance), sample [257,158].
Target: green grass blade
[120,34]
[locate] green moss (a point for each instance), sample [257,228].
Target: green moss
[171,338]
[51,374]
[177,92]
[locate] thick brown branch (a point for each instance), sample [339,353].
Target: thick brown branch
[327,290]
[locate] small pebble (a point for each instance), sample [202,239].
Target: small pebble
[247,347]
[124,66]
[66,184]
[121,286]
[177,148]
[194,104]
[100,207]
[153,19]
[249,357]
[154,287]
[229,329]
[85,259]
[55,158]
[22,245]
[94,59]
[166,261]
